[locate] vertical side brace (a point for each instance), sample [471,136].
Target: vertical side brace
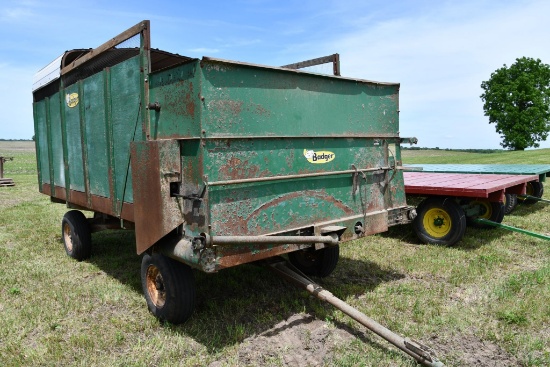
[84,144]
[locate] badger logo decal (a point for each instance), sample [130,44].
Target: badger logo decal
[71,99]
[321,156]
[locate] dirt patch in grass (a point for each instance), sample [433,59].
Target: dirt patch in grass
[469,350]
[301,340]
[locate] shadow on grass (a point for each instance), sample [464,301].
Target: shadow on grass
[243,301]
[115,253]
[473,239]
[248,300]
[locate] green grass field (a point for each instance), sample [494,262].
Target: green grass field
[483,302]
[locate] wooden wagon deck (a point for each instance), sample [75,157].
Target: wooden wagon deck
[542,170]
[492,187]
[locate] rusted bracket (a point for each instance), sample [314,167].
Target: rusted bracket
[153,106]
[410,141]
[355,183]
[334,59]
[193,197]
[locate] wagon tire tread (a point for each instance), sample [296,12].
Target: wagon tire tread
[534,188]
[511,203]
[76,235]
[178,284]
[451,209]
[319,263]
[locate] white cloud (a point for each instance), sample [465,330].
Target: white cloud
[204,50]
[441,57]
[15,14]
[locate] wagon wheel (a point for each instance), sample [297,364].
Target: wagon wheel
[76,234]
[533,188]
[169,288]
[510,203]
[493,211]
[319,263]
[440,221]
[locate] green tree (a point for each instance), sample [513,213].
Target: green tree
[517,101]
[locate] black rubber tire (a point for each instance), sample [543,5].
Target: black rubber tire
[493,211]
[511,201]
[76,235]
[320,263]
[168,287]
[534,188]
[440,221]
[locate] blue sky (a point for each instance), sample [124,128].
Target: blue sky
[440,51]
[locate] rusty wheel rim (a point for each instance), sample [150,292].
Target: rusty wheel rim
[155,286]
[68,237]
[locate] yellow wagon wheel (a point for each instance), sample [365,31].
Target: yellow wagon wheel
[533,188]
[437,222]
[490,210]
[440,220]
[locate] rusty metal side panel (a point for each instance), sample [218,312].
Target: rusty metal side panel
[193,182]
[126,120]
[95,131]
[395,191]
[234,159]
[73,139]
[155,164]
[228,256]
[255,209]
[177,91]
[247,100]
[246,201]
[57,164]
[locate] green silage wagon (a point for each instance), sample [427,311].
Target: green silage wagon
[214,163]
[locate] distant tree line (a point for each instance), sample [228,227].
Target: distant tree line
[17,139]
[455,150]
